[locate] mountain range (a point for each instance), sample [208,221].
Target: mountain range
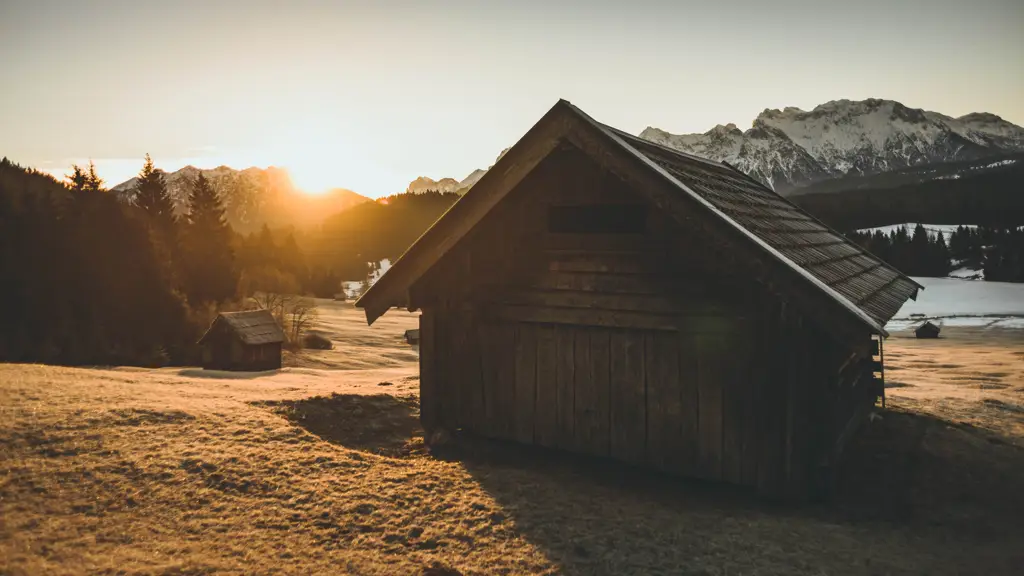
[423,183]
[253,196]
[793,149]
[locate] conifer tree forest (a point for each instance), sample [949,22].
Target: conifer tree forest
[998,252]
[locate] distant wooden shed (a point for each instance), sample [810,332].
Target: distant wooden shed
[599,293]
[245,341]
[927,330]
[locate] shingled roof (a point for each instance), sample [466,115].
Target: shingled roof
[251,326]
[851,273]
[858,281]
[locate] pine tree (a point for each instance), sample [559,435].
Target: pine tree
[151,195]
[942,264]
[82,180]
[958,244]
[291,256]
[212,273]
[78,178]
[205,208]
[266,247]
[94,182]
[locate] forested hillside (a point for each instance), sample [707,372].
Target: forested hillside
[994,198]
[373,231]
[82,280]
[997,252]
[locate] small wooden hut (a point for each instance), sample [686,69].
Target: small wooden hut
[927,330]
[599,293]
[246,341]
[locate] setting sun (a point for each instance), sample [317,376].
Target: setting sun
[313,178]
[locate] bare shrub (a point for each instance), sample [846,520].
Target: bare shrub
[302,314]
[295,314]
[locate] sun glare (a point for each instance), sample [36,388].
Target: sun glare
[313,178]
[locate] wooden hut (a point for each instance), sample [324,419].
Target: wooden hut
[599,293]
[927,330]
[247,341]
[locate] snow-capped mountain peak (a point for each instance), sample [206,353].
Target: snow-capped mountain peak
[792,147]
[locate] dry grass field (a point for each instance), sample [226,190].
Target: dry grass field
[320,469]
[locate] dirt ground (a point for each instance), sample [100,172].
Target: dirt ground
[320,469]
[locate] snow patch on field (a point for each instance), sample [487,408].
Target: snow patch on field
[933,229]
[966,273]
[957,302]
[354,288]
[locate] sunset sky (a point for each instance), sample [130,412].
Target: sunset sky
[370,95]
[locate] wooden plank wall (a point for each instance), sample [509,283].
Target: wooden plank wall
[711,401]
[677,401]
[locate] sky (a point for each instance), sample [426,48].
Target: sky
[370,95]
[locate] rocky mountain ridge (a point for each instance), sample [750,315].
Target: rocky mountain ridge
[792,148]
[423,183]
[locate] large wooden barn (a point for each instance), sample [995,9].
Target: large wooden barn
[248,341]
[599,293]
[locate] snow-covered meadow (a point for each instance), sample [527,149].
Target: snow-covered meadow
[933,229]
[957,302]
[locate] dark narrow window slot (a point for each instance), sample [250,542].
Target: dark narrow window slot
[598,219]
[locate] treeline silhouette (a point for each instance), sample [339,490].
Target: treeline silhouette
[88,279]
[992,198]
[998,252]
[82,281]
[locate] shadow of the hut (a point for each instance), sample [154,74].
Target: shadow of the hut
[596,516]
[382,424]
[914,468]
[224,374]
